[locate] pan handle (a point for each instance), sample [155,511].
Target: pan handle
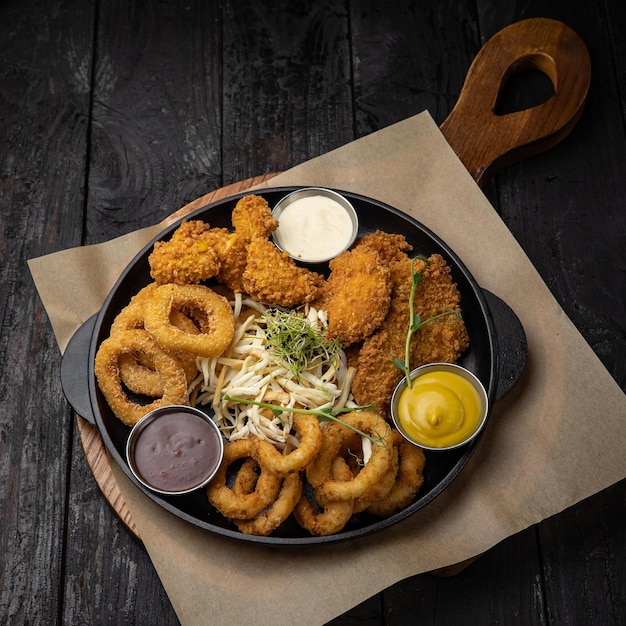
[75,370]
[486,142]
[512,348]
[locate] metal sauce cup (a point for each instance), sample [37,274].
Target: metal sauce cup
[315,224]
[175,450]
[456,370]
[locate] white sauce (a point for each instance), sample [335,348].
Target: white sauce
[314,228]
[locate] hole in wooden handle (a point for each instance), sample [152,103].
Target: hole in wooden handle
[525,86]
[486,142]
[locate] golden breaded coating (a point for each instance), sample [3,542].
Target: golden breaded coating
[445,339]
[252,218]
[357,294]
[376,375]
[390,246]
[231,249]
[272,277]
[442,340]
[197,252]
[187,258]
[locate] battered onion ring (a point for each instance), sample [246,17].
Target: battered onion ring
[268,521]
[310,437]
[139,376]
[381,488]
[217,322]
[137,373]
[132,315]
[243,506]
[246,477]
[107,373]
[408,482]
[328,489]
[333,516]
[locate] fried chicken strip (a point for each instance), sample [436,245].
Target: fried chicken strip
[272,277]
[231,249]
[390,246]
[442,340]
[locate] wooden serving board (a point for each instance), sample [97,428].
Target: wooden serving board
[485,143]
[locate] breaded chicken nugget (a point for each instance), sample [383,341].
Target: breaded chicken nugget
[356,295]
[272,277]
[187,258]
[252,218]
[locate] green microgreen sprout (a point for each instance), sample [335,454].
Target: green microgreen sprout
[324,414]
[415,320]
[296,343]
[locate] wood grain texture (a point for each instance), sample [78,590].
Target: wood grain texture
[287,89]
[44,104]
[156,120]
[398,72]
[113,115]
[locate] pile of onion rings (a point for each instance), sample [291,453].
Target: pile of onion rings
[148,360]
[335,476]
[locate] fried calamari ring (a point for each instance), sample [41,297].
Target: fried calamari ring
[136,371]
[381,488]
[139,375]
[242,506]
[106,369]
[330,518]
[408,482]
[318,470]
[212,311]
[310,437]
[132,315]
[268,521]
[335,434]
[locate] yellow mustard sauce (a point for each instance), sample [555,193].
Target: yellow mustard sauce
[439,410]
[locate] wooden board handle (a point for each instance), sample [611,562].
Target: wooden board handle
[486,142]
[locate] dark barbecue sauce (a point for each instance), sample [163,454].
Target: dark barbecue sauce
[176,452]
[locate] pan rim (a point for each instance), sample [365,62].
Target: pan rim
[352,533]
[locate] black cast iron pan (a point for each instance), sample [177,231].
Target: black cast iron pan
[496,355]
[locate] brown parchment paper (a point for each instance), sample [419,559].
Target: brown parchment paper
[526,468]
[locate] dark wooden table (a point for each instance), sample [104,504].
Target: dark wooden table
[114,114]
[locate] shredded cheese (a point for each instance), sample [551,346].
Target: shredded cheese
[248,369]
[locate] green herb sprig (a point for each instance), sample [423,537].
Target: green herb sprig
[322,414]
[415,320]
[296,343]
